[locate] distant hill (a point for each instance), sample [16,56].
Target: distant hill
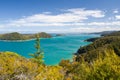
[109,41]
[60,34]
[92,39]
[18,36]
[104,34]
[115,33]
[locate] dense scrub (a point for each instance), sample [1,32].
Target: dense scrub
[92,39]
[112,41]
[105,67]
[90,52]
[15,67]
[98,61]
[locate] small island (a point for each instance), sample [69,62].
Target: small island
[60,34]
[18,36]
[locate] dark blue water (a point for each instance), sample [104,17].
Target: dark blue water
[55,49]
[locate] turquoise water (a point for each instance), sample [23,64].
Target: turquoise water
[55,49]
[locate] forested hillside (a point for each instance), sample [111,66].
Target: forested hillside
[98,61]
[18,36]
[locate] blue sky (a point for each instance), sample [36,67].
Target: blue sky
[59,16]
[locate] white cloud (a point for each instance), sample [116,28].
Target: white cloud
[49,19]
[117,17]
[83,12]
[1,26]
[115,11]
[113,23]
[70,20]
[111,18]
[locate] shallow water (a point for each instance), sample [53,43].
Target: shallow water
[55,49]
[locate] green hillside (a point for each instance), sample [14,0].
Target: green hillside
[98,61]
[18,36]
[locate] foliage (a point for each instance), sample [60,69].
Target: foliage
[92,39]
[18,36]
[97,61]
[38,55]
[103,68]
[15,67]
[107,68]
[12,36]
[44,35]
[114,33]
[111,41]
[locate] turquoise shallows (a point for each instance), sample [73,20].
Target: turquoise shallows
[55,49]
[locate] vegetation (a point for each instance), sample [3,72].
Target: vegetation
[13,36]
[38,56]
[15,67]
[117,33]
[18,36]
[104,34]
[44,35]
[98,61]
[60,34]
[92,39]
[105,67]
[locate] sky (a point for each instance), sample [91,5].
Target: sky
[59,16]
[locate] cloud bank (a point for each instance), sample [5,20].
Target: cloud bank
[69,20]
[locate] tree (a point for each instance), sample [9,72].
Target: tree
[38,55]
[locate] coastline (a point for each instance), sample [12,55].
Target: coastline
[21,40]
[16,40]
[67,50]
[28,39]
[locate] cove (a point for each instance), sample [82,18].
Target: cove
[55,49]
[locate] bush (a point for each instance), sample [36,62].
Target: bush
[15,67]
[102,68]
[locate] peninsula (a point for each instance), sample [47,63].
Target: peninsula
[18,36]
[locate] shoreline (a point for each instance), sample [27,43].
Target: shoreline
[21,40]
[47,63]
[27,39]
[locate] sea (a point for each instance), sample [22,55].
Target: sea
[55,49]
